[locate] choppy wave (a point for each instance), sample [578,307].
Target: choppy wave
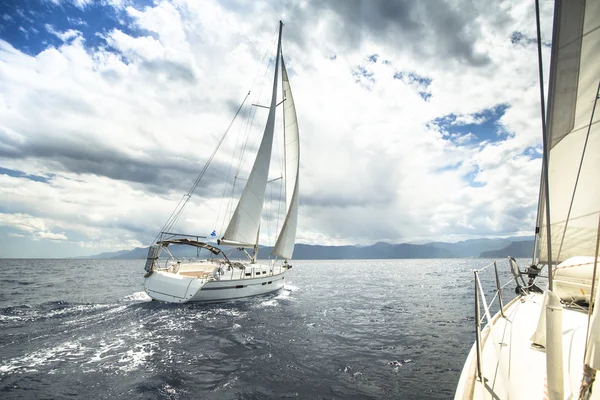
[348,333]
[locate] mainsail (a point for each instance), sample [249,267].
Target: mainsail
[284,247]
[244,226]
[573,133]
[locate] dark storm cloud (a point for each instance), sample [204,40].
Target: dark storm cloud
[157,173]
[426,28]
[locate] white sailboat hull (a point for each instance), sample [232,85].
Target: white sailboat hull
[180,287]
[511,366]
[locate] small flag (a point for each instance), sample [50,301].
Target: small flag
[213,233]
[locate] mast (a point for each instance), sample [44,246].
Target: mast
[544,183]
[553,309]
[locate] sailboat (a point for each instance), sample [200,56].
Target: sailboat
[545,343]
[219,278]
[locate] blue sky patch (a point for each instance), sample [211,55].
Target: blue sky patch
[420,82]
[20,174]
[471,178]
[474,128]
[533,152]
[520,38]
[362,75]
[28,25]
[425,95]
[411,77]
[373,58]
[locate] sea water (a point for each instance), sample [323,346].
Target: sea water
[341,329]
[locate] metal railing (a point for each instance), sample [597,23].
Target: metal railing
[480,301]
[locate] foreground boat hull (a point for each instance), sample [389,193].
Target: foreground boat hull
[174,288]
[510,366]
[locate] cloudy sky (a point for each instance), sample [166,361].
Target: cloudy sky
[419,121]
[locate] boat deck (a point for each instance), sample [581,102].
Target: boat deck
[196,274]
[511,366]
[206,270]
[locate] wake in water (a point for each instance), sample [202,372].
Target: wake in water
[122,336]
[138,296]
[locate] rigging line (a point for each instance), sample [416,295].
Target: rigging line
[203,171]
[277,148]
[253,110]
[228,210]
[248,112]
[266,53]
[483,268]
[163,229]
[579,171]
[223,195]
[283,165]
[251,113]
[245,116]
[279,209]
[251,123]
[592,294]
[268,209]
[544,127]
[257,95]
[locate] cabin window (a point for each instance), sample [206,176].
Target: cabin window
[248,273]
[264,283]
[270,282]
[257,272]
[239,287]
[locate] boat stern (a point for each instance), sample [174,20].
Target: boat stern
[172,288]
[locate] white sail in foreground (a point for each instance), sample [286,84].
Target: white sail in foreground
[244,226]
[284,247]
[182,281]
[574,171]
[545,344]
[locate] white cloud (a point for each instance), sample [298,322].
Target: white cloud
[22,222]
[469,119]
[463,139]
[17,235]
[49,236]
[82,3]
[64,36]
[121,130]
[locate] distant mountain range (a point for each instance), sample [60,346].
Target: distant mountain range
[518,247]
[515,249]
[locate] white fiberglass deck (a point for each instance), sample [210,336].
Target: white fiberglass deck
[205,269]
[514,369]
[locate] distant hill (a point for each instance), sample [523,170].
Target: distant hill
[515,249]
[381,250]
[377,251]
[472,247]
